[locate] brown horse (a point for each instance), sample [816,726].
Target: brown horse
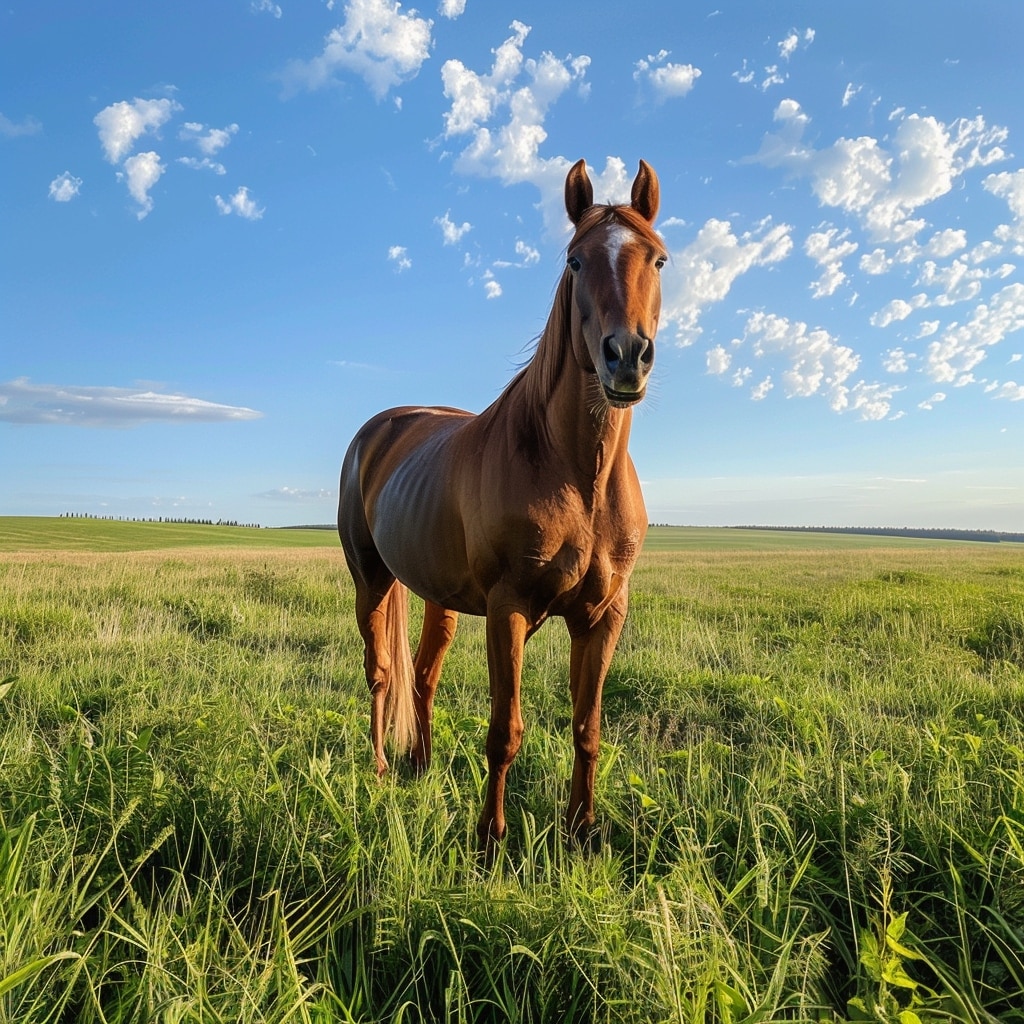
[530,509]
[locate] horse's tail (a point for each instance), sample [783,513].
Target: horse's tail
[401,710]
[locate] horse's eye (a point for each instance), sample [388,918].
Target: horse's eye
[660,262]
[574,264]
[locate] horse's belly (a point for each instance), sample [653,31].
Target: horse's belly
[422,541]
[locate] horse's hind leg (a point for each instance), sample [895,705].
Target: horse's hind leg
[438,631]
[371,617]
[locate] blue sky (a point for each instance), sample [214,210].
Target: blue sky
[233,231]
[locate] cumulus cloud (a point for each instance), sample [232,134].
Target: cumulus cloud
[895,361]
[209,141]
[492,289]
[241,203]
[1010,186]
[451,8]
[399,255]
[121,124]
[829,249]
[704,271]
[378,41]
[896,310]
[961,347]
[142,171]
[517,93]
[883,187]
[719,360]
[65,187]
[451,232]
[27,403]
[665,78]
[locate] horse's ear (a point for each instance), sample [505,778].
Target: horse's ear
[646,195]
[579,193]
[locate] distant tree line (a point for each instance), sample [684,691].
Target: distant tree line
[161,519]
[986,536]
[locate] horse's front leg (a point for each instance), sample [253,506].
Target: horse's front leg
[507,630]
[591,654]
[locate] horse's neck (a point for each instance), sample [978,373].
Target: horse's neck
[568,410]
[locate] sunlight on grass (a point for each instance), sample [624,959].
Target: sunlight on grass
[811,795]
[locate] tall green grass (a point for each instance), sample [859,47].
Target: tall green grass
[811,790]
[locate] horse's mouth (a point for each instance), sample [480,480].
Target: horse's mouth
[622,399]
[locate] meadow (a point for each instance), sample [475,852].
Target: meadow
[811,792]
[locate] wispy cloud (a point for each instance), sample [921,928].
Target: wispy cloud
[14,129]
[298,495]
[81,406]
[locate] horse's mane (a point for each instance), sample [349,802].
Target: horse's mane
[533,386]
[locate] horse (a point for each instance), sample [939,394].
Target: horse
[527,510]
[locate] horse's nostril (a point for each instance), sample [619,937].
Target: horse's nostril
[647,354]
[611,357]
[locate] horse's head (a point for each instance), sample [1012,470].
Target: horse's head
[614,258]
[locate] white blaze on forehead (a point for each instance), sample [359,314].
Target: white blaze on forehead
[618,236]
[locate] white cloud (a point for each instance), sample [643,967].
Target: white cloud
[896,310]
[1011,391]
[377,41]
[829,249]
[1011,188]
[521,91]
[666,79]
[142,171]
[399,255]
[961,347]
[265,7]
[298,495]
[209,140]
[929,403]
[851,91]
[718,360]
[928,328]
[528,256]
[491,287]
[817,363]
[704,271]
[451,232]
[871,401]
[527,253]
[788,46]
[241,203]
[451,8]
[759,392]
[884,188]
[14,129]
[956,282]
[65,187]
[121,124]
[24,402]
[875,262]
[895,361]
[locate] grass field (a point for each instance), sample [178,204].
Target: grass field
[811,789]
